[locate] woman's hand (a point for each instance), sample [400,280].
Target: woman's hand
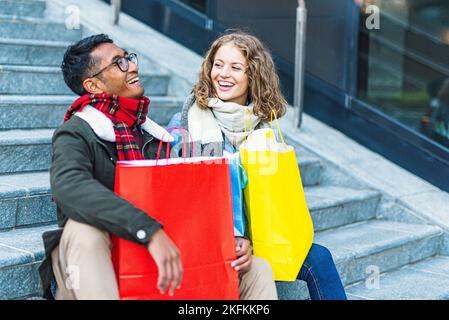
[244,253]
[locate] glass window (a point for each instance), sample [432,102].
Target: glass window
[199,5]
[404,64]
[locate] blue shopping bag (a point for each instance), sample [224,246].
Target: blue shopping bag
[239,181]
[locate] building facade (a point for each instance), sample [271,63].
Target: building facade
[377,70]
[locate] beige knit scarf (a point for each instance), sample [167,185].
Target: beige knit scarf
[207,125]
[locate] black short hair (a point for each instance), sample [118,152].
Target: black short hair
[78,61]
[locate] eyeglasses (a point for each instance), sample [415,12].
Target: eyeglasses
[122,63]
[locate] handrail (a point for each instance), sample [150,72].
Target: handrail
[413,55]
[300,50]
[413,28]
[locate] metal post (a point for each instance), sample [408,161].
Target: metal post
[116,6]
[300,53]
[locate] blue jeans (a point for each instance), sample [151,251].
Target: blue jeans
[321,275]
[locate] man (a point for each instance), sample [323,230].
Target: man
[108,123]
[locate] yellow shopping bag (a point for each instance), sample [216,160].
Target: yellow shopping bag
[279,221]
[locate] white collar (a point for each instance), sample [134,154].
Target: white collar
[103,128]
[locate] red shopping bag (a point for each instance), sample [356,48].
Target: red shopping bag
[192,199]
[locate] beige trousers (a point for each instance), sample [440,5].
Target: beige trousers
[83,269]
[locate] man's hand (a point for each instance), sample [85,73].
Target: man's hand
[244,255]
[168,261]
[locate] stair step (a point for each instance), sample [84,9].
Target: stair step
[310,170]
[296,290]
[21,252]
[28,80]
[31,52]
[425,280]
[33,297]
[383,244]
[39,80]
[33,112]
[332,207]
[25,200]
[355,248]
[22,8]
[162,109]
[37,29]
[25,150]
[38,112]
[387,244]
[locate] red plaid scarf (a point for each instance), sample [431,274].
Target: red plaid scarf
[124,113]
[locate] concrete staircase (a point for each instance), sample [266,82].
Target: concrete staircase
[33,99]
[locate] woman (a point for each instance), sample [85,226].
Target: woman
[237,76]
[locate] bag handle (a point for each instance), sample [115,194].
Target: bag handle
[184,143]
[273,113]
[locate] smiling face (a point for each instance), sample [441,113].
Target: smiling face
[113,80]
[229,76]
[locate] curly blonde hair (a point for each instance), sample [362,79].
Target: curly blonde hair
[263,81]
